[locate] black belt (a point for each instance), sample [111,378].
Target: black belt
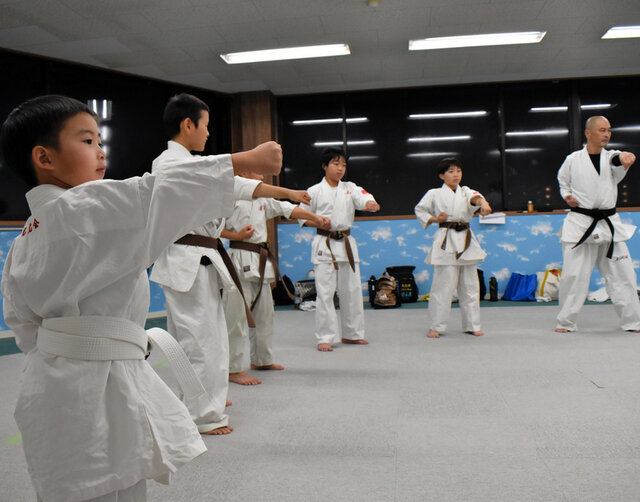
[597,215]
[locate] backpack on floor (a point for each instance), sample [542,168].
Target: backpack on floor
[548,283]
[386,294]
[406,282]
[279,293]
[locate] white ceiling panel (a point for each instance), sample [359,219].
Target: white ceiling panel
[180,40]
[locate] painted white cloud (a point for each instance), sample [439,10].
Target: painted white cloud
[400,240]
[383,233]
[412,231]
[404,253]
[303,236]
[535,251]
[544,228]
[422,276]
[553,264]
[509,234]
[507,247]
[424,249]
[480,238]
[523,258]
[365,263]
[297,258]
[287,264]
[601,281]
[376,255]
[520,239]
[502,274]
[284,246]
[636,263]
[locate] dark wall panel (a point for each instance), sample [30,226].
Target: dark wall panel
[133,132]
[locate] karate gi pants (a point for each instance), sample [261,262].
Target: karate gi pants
[446,278]
[196,320]
[260,337]
[135,493]
[619,276]
[349,287]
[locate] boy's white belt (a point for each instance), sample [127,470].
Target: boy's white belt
[102,338]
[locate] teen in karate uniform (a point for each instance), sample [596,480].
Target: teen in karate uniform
[588,181]
[248,225]
[334,268]
[455,250]
[96,420]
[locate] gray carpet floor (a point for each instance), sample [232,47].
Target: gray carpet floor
[521,414]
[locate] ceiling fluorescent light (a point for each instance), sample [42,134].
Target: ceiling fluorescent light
[546,132]
[524,37]
[543,109]
[436,138]
[432,154]
[632,128]
[522,150]
[599,106]
[350,143]
[622,32]
[352,120]
[420,116]
[312,51]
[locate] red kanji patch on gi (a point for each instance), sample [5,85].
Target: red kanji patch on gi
[364,192]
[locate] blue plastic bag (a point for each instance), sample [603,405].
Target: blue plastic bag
[521,288]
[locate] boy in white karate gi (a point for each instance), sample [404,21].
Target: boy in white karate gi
[334,253]
[455,250]
[247,231]
[592,233]
[192,274]
[96,420]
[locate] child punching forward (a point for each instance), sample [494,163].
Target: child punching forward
[96,420]
[455,249]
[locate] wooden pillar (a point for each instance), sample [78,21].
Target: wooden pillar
[254,121]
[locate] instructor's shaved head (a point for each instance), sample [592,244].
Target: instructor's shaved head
[592,122]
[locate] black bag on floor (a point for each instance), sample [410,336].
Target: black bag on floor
[280,296]
[493,290]
[483,287]
[406,282]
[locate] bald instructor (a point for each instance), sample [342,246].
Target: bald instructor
[592,233]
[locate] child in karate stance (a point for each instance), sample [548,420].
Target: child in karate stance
[96,420]
[192,271]
[247,231]
[455,249]
[334,253]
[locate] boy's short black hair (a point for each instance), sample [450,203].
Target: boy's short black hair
[37,121]
[330,153]
[446,163]
[180,107]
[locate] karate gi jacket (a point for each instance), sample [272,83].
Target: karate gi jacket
[578,177]
[177,266]
[458,207]
[94,427]
[255,213]
[339,205]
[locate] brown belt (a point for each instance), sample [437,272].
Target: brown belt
[458,226]
[213,243]
[262,249]
[337,235]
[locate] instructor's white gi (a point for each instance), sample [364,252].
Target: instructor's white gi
[195,314]
[339,205]
[254,213]
[94,427]
[451,274]
[578,177]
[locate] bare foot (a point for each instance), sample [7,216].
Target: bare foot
[267,367]
[475,333]
[324,347]
[243,378]
[228,403]
[433,334]
[562,330]
[226,429]
[355,342]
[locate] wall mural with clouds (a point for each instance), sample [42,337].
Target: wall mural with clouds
[526,244]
